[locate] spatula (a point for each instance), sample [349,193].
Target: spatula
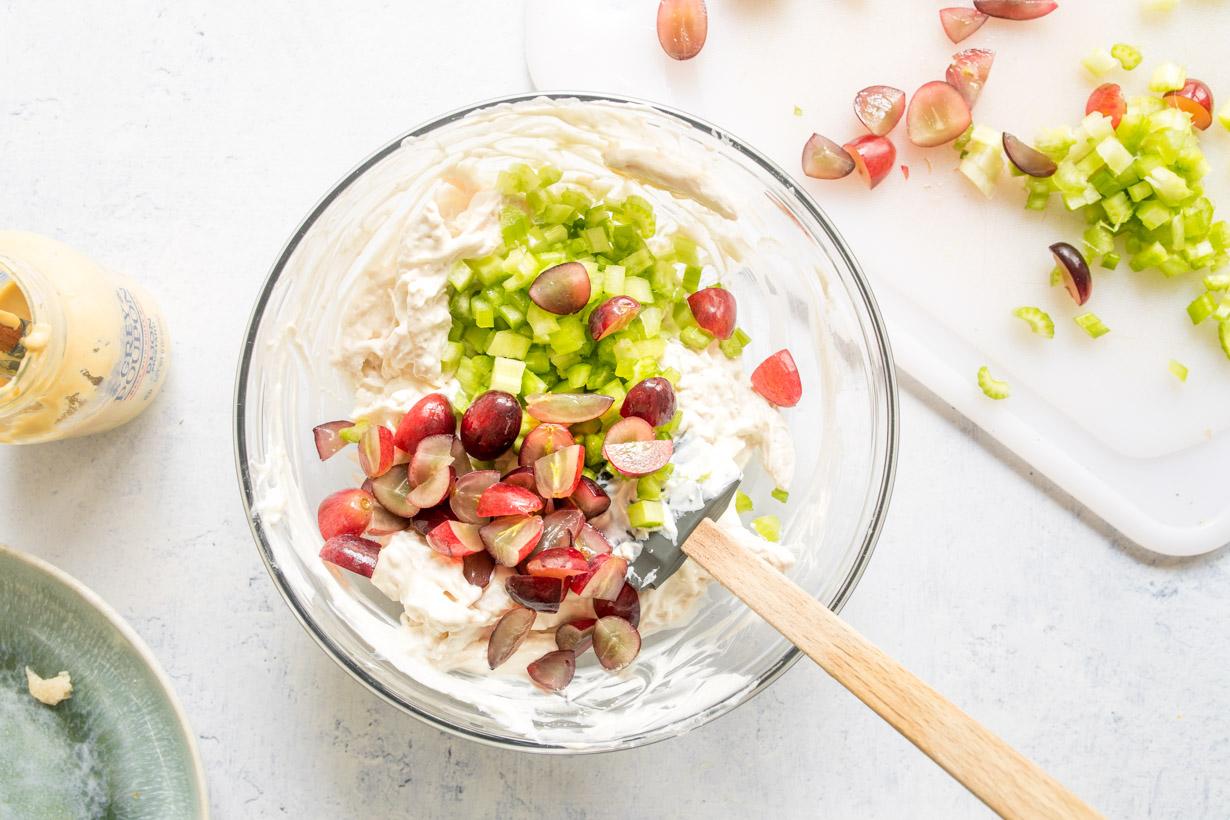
[1007,782]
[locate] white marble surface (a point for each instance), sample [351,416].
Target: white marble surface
[182,141]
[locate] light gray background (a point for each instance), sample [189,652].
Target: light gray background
[183,141]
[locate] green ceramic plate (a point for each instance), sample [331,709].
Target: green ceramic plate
[120,747]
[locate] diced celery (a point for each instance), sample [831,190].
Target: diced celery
[484,315]
[649,488]
[992,387]
[1118,209]
[531,383]
[639,289]
[1091,324]
[1217,281]
[597,239]
[1128,56]
[1149,256]
[1039,320]
[451,356]
[695,338]
[1152,213]
[613,278]
[578,375]
[511,314]
[570,337]
[637,261]
[1099,239]
[743,502]
[509,345]
[646,515]
[768,527]
[1141,190]
[1167,77]
[1110,261]
[460,275]
[1099,61]
[691,278]
[1178,369]
[1118,158]
[1202,307]
[780,494]
[982,166]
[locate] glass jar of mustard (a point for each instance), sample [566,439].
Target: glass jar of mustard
[94,349]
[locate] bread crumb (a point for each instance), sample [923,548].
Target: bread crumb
[50,690]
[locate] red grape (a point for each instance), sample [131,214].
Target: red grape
[490,425]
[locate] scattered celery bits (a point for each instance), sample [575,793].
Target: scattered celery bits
[1178,369]
[1091,324]
[743,502]
[780,494]
[1128,56]
[992,387]
[1099,62]
[768,527]
[1039,320]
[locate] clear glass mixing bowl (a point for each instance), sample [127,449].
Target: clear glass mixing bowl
[802,290]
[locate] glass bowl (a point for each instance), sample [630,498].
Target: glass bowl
[801,289]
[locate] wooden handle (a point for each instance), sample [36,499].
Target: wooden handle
[998,775]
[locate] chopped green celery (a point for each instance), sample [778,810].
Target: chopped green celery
[992,387]
[578,375]
[456,331]
[459,307]
[1178,369]
[451,356]
[556,215]
[599,376]
[613,278]
[1107,183]
[1202,307]
[1217,281]
[597,239]
[460,275]
[691,278]
[649,488]
[780,494]
[477,338]
[639,289]
[695,338]
[731,348]
[743,502]
[637,261]
[1056,276]
[768,527]
[1088,196]
[1128,56]
[1091,324]
[1039,320]
[1117,208]
[1178,234]
[684,249]
[1150,256]
[1118,158]
[354,434]
[541,322]
[646,515]
[1167,77]
[484,315]
[1152,214]
[1037,201]
[1110,261]
[1099,61]
[511,314]
[1174,265]
[531,384]
[571,335]
[983,166]
[1141,190]
[513,225]
[651,321]
[672,375]
[562,361]
[962,142]
[639,214]
[1099,239]
[1200,254]
[509,345]
[1055,142]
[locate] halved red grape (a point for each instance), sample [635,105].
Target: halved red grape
[960,23]
[607,579]
[509,633]
[345,512]
[561,289]
[968,73]
[431,415]
[651,399]
[638,458]
[511,538]
[543,440]
[1016,9]
[434,453]
[561,562]
[427,520]
[1028,160]
[1076,276]
[554,670]
[502,499]
[350,552]
[392,490]
[683,26]
[616,642]
[576,635]
[491,424]
[632,428]
[612,316]
[385,523]
[825,159]
[464,500]
[328,437]
[434,490]
[560,528]
[937,114]
[591,542]
[714,310]
[777,379]
[477,567]
[1107,100]
[879,107]
[521,477]
[873,157]
[376,450]
[455,539]
[590,498]
[558,474]
[567,408]
[461,460]
[627,605]
[1194,98]
[536,592]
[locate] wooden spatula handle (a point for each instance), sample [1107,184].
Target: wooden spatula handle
[1010,785]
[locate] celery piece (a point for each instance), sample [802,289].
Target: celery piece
[768,527]
[1178,369]
[1118,158]
[743,502]
[695,338]
[512,315]
[354,434]
[1167,77]
[1037,201]
[578,375]
[460,275]
[1091,324]
[451,356]
[1174,265]
[509,345]
[597,239]
[1110,261]
[982,166]
[1150,256]
[541,322]
[1099,61]
[1169,186]
[1217,281]
[1128,56]
[570,337]
[1140,191]
[992,387]
[1117,208]
[1152,214]
[531,384]
[593,449]
[691,278]
[651,321]
[639,289]
[484,315]
[646,515]
[649,488]
[798,112]
[1099,239]
[1202,307]
[1039,320]
[613,278]
[672,375]
[780,494]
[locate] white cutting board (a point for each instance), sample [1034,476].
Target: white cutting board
[1104,419]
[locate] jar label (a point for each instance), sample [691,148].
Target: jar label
[142,354]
